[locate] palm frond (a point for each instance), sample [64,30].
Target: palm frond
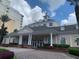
[4,18]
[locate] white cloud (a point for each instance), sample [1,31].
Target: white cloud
[54,4]
[37,13]
[30,15]
[64,22]
[53,14]
[71,20]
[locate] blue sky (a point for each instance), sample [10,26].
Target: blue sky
[61,13]
[64,11]
[33,10]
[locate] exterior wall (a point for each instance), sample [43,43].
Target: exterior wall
[70,39]
[56,24]
[45,23]
[16,18]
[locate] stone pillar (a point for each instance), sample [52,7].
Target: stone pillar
[51,41]
[20,40]
[29,39]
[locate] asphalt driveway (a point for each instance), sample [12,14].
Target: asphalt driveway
[37,54]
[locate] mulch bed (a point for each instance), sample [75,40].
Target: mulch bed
[54,49]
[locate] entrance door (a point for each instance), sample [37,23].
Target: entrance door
[25,40]
[37,43]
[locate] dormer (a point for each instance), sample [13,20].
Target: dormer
[50,24]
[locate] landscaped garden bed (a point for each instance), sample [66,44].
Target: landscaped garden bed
[6,54]
[74,51]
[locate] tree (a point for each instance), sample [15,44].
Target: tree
[76,3]
[3,32]
[15,30]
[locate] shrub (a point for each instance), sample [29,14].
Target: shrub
[74,51]
[46,46]
[61,45]
[6,54]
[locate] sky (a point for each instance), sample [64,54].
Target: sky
[34,10]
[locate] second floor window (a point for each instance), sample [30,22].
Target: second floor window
[50,24]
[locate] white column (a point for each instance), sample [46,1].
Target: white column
[29,39]
[20,40]
[71,44]
[6,40]
[51,41]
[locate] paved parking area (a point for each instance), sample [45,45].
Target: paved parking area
[37,54]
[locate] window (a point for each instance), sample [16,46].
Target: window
[77,41]
[50,24]
[63,41]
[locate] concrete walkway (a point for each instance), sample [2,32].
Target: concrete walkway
[36,54]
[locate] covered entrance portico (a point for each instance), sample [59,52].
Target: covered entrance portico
[37,40]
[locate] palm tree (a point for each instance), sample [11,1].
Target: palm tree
[4,18]
[76,3]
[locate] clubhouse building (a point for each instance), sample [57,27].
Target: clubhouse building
[43,32]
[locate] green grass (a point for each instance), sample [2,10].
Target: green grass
[14,57]
[2,50]
[74,51]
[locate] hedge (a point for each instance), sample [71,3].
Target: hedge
[74,51]
[47,46]
[61,45]
[6,54]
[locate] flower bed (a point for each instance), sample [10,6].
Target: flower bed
[6,54]
[74,51]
